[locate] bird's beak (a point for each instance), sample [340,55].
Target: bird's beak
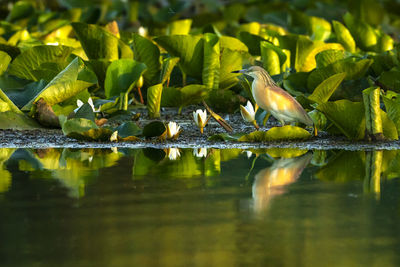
[239,71]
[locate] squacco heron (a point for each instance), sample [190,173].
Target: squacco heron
[274,99]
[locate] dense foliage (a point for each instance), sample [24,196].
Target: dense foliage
[340,60]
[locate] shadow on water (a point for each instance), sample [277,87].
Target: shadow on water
[180,207]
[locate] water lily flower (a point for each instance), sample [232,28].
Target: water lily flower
[173,130]
[200,118]
[173,153]
[249,154]
[200,152]
[114,137]
[79,103]
[248,113]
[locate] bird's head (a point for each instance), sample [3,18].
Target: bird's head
[253,71]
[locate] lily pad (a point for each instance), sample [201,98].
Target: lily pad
[154,94]
[154,129]
[17,121]
[286,132]
[5,59]
[325,90]
[211,63]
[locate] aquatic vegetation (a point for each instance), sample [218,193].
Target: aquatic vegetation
[339,67]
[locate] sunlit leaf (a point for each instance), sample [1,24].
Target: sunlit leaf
[287,132]
[273,58]
[16,121]
[211,63]
[97,42]
[365,36]
[65,84]
[347,116]
[327,57]
[344,36]
[179,27]
[122,75]
[189,48]
[7,105]
[389,127]
[5,59]
[167,68]
[154,94]
[307,50]
[324,91]
[353,70]
[148,53]
[231,60]
[35,58]
[232,44]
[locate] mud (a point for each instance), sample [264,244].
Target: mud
[189,138]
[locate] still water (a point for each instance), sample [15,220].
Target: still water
[201,207]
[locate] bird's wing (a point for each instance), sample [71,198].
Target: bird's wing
[287,105]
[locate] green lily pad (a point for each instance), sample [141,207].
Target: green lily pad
[5,59]
[286,132]
[344,36]
[154,129]
[327,57]
[7,105]
[128,129]
[179,27]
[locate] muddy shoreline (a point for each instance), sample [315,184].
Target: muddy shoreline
[189,138]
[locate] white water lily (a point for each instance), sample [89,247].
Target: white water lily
[173,130]
[200,118]
[114,137]
[173,153]
[114,149]
[200,152]
[249,154]
[248,113]
[79,103]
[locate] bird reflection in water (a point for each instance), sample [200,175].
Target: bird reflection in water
[273,181]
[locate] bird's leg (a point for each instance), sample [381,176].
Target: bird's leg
[315,130]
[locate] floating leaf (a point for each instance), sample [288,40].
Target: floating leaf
[189,48]
[64,85]
[128,129]
[211,63]
[286,132]
[231,60]
[85,112]
[389,127]
[122,74]
[391,79]
[154,94]
[154,129]
[148,53]
[344,36]
[393,110]
[324,91]
[347,116]
[34,59]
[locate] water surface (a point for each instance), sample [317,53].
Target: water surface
[208,207]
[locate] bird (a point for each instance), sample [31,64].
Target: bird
[273,99]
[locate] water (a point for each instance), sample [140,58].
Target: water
[64,207]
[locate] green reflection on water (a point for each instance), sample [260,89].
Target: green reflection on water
[199,207]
